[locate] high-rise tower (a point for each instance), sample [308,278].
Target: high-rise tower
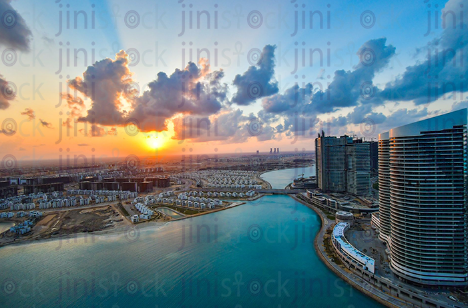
[423,206]
[342,164]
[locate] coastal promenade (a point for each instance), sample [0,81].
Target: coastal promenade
[414,299]
[352,279]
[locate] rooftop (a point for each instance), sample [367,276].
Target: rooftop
[441,122]
[338,234]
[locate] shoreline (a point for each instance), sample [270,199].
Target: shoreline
[233,205]
[127,226]
[123,227]
[371,291]
[269,184]
[91,236]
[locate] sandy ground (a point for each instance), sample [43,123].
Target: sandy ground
[66,223]
[95,221]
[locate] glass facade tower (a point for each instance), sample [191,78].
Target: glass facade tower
[423,193]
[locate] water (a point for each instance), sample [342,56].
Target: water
[281,178]
[255,255]
[5,226]
[169,212]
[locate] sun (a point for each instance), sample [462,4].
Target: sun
[155,142]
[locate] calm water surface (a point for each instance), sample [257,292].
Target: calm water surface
[5,226]
[169,212]
[281,178]
[255,255]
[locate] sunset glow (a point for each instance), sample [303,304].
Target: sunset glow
[233,153]
[156,142]
[107,84]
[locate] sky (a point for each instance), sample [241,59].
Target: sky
[114,78]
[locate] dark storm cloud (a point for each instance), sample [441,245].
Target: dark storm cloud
[258,81]
[14,32]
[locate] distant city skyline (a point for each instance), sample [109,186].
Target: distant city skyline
[210,153]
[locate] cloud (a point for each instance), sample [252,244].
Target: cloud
[459,105]
[47,40]
[228,126]
[294,100]
[8,132]
[368,123]
[73,102]
[112,131]
[349,88]
[294,108]
[336,126]
[224,126]
[14,32]
[195,100]
[98,131]
[106,83]
[83,144]
[321,73]
[29,113]
[45,124]
[22,149]
[444,70]
[402,117]
[76,106]
[7,93]
[363,113]
[300,106]
[193,91]
[258,81]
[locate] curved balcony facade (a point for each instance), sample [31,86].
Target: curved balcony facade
[384,188]
[427,173]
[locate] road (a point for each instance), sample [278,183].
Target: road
[353,279]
